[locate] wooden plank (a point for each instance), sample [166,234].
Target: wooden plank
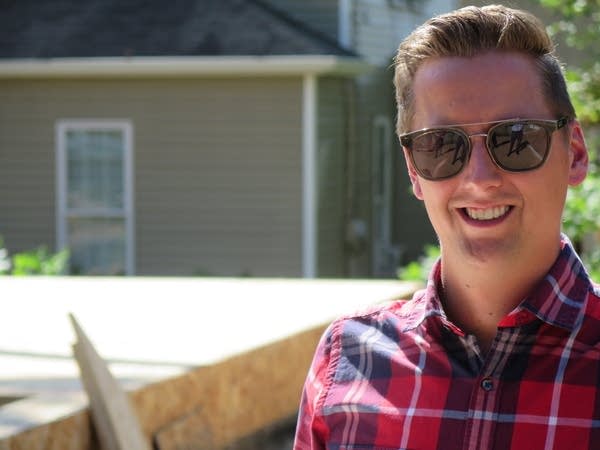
[115,421]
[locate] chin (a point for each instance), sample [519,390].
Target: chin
[483,250]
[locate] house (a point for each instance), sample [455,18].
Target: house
[207,137]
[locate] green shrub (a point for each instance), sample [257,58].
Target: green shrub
[33,262]
[579,27]
[580,220]
[419,270]
[40,262]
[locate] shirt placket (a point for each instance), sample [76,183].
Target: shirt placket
[481,416]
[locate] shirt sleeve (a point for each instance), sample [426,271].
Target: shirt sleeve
[311,430]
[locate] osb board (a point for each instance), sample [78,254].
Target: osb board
[73,432]
[214,406]
[206,408]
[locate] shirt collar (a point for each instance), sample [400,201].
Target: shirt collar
[558,299]
[426,303]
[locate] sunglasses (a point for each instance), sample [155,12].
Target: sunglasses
[515,145]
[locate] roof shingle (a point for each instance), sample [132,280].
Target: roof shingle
[112,28]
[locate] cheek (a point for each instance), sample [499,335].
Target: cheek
[547,187]
[545,196]
[435,195]
[556,182]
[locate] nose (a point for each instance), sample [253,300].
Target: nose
[481,171]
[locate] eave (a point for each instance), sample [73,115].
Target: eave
[183,67]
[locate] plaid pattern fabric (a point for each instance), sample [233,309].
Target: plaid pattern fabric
[401,376]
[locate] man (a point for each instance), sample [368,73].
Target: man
[502,348]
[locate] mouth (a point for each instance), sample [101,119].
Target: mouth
[487,214]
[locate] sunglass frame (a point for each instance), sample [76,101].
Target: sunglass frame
[549,125]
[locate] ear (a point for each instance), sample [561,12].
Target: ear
[578,155]
[412,174]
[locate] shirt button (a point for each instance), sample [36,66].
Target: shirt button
[487,384]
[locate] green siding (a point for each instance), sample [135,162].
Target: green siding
[217,168]
[332,152]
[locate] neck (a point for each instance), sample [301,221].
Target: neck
[477,295]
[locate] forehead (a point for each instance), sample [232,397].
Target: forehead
[487,87]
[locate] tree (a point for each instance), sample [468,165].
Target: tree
[579,28]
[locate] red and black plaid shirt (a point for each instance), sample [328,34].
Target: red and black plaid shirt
[401,376]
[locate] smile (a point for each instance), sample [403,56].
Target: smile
[487,213]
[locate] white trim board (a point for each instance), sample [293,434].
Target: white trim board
[309,177]
[182,67]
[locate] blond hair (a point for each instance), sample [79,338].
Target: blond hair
[473,30]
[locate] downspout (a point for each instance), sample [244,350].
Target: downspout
[345,24]
[355,228]
[309,177]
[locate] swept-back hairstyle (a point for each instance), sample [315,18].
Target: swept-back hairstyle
[472,30]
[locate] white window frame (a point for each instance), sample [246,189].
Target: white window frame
[127,212]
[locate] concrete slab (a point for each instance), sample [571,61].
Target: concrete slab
[155,329]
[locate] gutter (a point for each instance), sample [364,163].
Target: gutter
[182,67]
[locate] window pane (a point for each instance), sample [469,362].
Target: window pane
[97,246]
[95,169]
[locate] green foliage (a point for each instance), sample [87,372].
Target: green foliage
[419,270]
[591,260]
[582,209]
[584,87]
[579,27]
[40,262]
[34,262]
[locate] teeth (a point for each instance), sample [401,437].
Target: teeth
[487,214]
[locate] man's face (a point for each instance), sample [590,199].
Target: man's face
[484,212]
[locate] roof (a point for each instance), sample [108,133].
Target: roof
[152,28]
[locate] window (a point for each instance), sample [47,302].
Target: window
[94,195]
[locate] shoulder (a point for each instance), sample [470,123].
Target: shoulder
[384,310]
[379,333]
[390,319]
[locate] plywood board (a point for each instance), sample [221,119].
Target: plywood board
[115,421]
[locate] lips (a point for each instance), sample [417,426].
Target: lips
[483,214]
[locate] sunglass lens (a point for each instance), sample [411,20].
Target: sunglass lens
[519,146]
[439,154]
